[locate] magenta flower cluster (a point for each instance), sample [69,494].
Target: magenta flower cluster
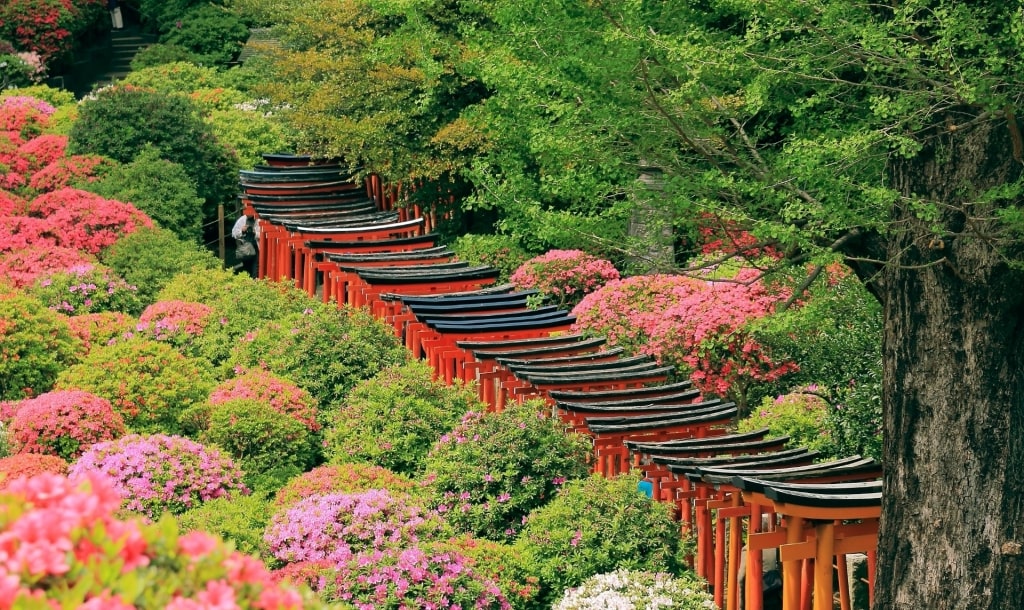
[564,275]
[335,527]
[63,423]
[158,473]
[165,319]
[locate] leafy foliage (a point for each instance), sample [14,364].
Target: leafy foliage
[499,251]
[215,35]
[394,418]
[86,288]
[37,346]
[237,519]
[800,416]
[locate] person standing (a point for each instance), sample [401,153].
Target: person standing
[115,14]
[245,232]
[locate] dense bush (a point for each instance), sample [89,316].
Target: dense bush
[325,349]
[241,305]
[280,393]
[497,562]
[24,117]
[161,15]
[394,418]
[77,171]
[37,346]
[29,465]
[147,382]
[63,423]
[47,27]
[51,95]
[801,416]
[150,258]
[179,77]
[270,446]
[249,134]
[21,69]
[22,267]
[158,473]
[335,526]
[98,329]
[564,276]
[629,590]
[176,322]
[211,32]
[502,252]
[342,478]
[159,54]
[492,470]
[121,121]
[43,150]
[160,188]
[90,558]
[598,525]
[237,519]
[87,288]
[85,221]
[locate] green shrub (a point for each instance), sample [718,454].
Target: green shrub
[324,349]
[37,345]
[393,419]
[97,329]
[502,252]
[150,258]
[160,54]
[178,77]
[342,478]
[87,288]
[161,15]
[238,519]
[16,71]
[160,188]
[598,525]
[241,306]
[495,468]
[800,416]
[249,134]
[270,446]
[121,121]
[211,32]
[147,382]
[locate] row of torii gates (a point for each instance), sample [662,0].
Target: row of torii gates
[352,242]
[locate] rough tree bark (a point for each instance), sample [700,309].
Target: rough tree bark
[953,513]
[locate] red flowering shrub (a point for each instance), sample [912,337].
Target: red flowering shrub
[24,119]
[68,171]
[12,165]
[281,394]
[20,232]
[147,382]
[86,221]
[46,27]
[43,150]
[96,329]
[63,423]
[68,548]
[341,478]
[11,204]
[564,276]
[724,236]
[29,465]
[22,267]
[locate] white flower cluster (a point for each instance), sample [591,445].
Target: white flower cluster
[631,590]
[262,105]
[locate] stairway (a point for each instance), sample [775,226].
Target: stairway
[124,44]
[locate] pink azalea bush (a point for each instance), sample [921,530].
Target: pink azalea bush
[86,221]
[67,171]
[565,276]
[342,478]
[24,266]
[178,323]
[66,547]
[283,395]
[24,116]
[697,324]
[63,423]
[86,288]
[158,473]
[21,465]
[12,165]
[334,527]
[20,232]
[11,204]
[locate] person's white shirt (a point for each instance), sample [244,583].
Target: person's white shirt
[239,228]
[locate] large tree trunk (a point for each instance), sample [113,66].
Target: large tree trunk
[953,514]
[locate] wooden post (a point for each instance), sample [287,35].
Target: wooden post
[220,234]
